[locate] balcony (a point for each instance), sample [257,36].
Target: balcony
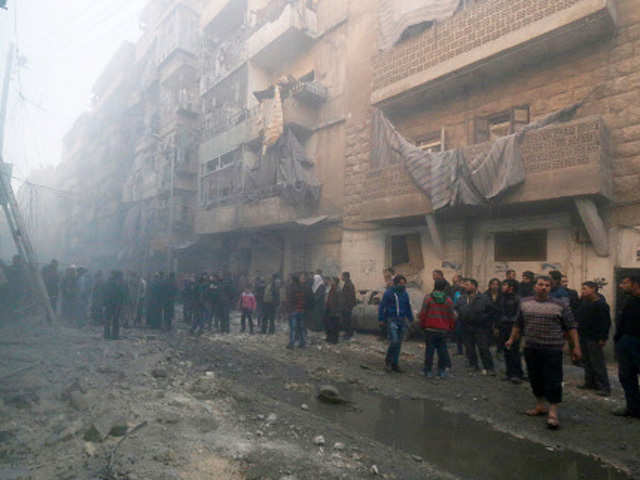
[278,42]
[269,211]
[226,133]
[489,39]
[561,161]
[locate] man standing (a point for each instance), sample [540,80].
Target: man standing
[270,303]
[574,298]
[526,285]
[557,290]
[349,302]
[115,294]
[627,341]
[439,275]
[394,312]
[594,321]
[510,312]
[511,275]
[225,299]
[544,322]
[51,279]
[297,302]
[472,313]
[259,286]
[437,319]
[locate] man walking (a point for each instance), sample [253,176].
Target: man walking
[627,340]
[437,319]
[393,313]
[349,302]
[544,322]
[510,312]
[594,321]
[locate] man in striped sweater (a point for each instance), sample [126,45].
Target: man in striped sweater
[544,321]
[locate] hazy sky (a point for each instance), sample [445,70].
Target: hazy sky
[65,45]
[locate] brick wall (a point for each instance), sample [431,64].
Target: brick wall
[476,25]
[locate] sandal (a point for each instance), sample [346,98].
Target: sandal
[553,423]
[536,412]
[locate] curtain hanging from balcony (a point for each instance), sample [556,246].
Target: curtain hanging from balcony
[396,16]
[452,178]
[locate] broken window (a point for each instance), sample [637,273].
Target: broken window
[492,127]
[525,246]
[432,142]
[404,253]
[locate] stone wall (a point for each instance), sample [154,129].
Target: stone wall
[608,71]
[476,25]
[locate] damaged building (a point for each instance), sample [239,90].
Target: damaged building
[472,136]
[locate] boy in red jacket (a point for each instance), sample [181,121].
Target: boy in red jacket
[248,306]
[437,319]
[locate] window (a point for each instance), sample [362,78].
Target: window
[431,142]
[399,250]
[501,124]
[221,162]
[404,253]
[528,246]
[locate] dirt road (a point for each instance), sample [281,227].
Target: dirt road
[244,407]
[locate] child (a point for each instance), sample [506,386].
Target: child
[247,307]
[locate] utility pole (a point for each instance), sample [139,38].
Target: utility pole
[11,210]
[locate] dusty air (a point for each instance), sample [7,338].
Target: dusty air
[319,239]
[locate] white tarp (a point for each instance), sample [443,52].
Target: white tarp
[397,15]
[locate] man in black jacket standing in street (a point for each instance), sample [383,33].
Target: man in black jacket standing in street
[471,308]
[594,321]
[627,340]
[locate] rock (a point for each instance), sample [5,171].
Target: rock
[330,394]
[374,470]
[96,432]
[159,373]
[417,458]
[118,427]
[78,400]
[260,417]
[304,406]
[272,417]
[319,440]
[338,446]
[89,449]
[259,433]
[169,419]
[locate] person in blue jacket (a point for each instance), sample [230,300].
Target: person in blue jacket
[393,313]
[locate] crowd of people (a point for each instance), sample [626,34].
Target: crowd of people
[543,311]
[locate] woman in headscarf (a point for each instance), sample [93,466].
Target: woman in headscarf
[319,290]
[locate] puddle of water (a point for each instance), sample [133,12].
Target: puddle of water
[458,444]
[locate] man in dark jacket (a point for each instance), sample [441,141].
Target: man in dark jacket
[270,304]
[510,302]
[115,294]
[349,302]
[225,299]
[394,311]
[594,321]
[439,275]
[471,309]
[627,340]
[574,298]
[526,285]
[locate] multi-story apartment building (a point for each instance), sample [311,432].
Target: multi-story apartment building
[460,83]
[274,106]
[282,135]
[159,194]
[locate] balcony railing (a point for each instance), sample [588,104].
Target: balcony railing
[562,160]
[487,39]
[281,40]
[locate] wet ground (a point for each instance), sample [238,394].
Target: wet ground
[232,407]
